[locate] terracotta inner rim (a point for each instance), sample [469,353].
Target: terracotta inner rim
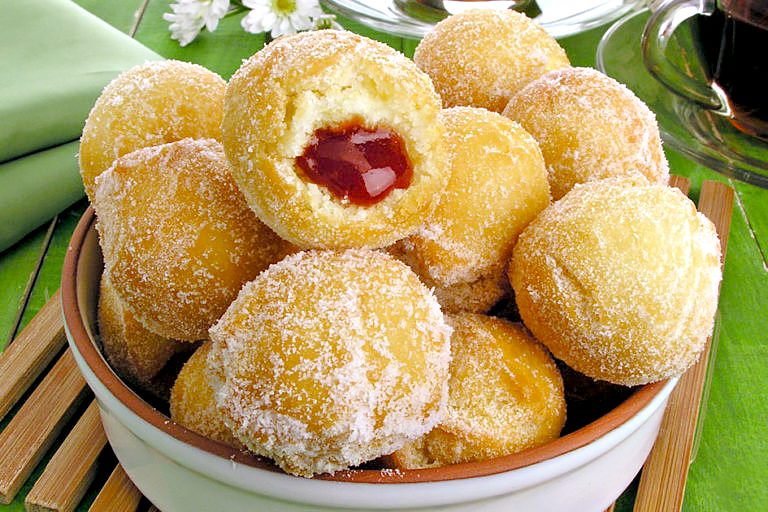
[87,347]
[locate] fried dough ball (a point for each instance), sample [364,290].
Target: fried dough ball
[481,58]
[589,127]
[498,184]
[331,359]
[177,237]
[150,104]
[477,296]
[193,403]
[619,280]
[335,140]
[505,394]
[135,353]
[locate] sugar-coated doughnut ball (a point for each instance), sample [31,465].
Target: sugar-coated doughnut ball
[331,359]
[335,140]
[136,354]
[498,184]
[193,403]
[477,296]
[147,105]
[178,239]
[481,58]
[589,127]
[619,280]
[505,395]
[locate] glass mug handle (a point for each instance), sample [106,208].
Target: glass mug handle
[658,31]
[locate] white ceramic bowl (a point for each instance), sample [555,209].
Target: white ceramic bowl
[179,470]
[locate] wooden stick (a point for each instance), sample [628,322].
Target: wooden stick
[662,483]
[118,494]
[611,508]
[680,182]
[31,432]
[30,353]
[72,469]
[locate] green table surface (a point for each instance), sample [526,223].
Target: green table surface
[730,471]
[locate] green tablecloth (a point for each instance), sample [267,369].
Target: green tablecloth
[731,469]
[55,58]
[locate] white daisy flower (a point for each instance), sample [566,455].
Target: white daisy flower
[190,16]
[280,17]
[326,21]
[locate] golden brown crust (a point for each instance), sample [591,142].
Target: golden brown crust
[505,395]
[482,58]
[135,353]
[341,356]
[619,280]
[150,104]
[589,126]
[177,237]
[498,184]
[193,403]
[298,84]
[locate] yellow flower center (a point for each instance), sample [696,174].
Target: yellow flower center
[284,6]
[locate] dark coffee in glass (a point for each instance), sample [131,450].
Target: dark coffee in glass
[733,44]
[731,37]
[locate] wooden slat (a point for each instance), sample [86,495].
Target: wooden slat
[72,469]
[31,432]
[662,483]
[118,494]
[680,182]
[31,352]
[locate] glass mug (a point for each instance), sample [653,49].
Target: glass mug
[457,6]
[731,39]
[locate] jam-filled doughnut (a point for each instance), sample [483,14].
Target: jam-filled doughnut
[177,237]
[335,140]
[505,394]
[193,403]
[481,58]
[331,359]
[589,126]
[147,105]
[619,280]
[498,184]
[136,354]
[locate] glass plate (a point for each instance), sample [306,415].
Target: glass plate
[414,18]
[705,137]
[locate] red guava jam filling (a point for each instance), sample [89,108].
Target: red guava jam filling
[357,164]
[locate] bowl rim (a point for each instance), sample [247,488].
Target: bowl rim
[87,347]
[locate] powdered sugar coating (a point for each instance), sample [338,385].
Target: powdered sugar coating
[498,184]
[147,105]
[477,296]
[331,359]
[505,395]
[619,280]
[589,126]
[481,58]
[193,401]
[177,237]
[299,84]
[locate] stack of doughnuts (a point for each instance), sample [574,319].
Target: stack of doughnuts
[332,233]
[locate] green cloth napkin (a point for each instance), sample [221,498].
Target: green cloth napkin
[55,58]
[35,188]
